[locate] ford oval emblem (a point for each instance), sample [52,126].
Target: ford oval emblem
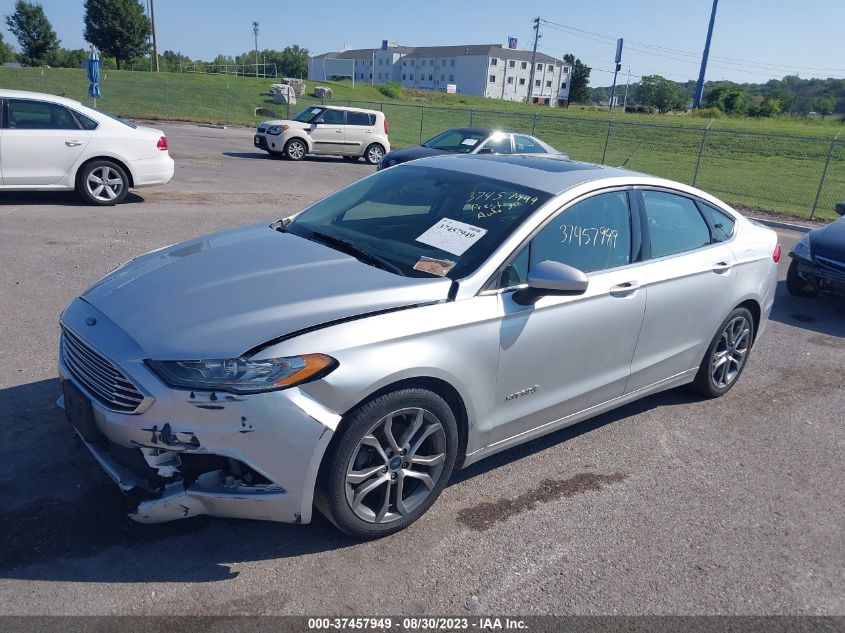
[91,321]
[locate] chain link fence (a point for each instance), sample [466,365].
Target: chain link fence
[802,176]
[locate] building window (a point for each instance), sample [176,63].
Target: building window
[452,62]
[411,76]
[422,63]
[510,80]
[563,85]
[404,63]
[550,68]
[492,79]
[451,77]
[494,61]
[442,76]
[566,69]
[403,76]
[511,64]
[412,62]
[431,77]
[536,82]
[522,81]
[539,66]
[548,84]
[524,65]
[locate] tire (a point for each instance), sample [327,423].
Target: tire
[363,474]
[732,342]
[795,285]
[296,149]
[373,154]
[102,183]
[277,155]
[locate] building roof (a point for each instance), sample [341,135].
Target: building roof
[488,50]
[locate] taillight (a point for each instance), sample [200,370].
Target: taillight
[386,127]
[162,144]
[776,254]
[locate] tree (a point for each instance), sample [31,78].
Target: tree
[579,80]
[6,52]
[294,62]
[661,93]
[118,28]
[35,34]
[67,58]
[728,97]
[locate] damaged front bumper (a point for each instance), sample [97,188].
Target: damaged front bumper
[822,274]
[186,453]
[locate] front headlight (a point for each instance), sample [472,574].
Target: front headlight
[802,248]
[241,375]
[275,130]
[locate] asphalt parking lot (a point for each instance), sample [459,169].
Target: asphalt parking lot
[673,504]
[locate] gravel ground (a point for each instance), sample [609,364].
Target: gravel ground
[671,505]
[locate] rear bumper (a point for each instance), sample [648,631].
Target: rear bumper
[185,453]
[153,171]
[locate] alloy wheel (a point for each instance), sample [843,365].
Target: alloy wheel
[375,154]
[296,150]
[730,352]
[104,183]
[396,465]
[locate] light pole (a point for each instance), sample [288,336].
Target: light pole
[255,32]
[699,87]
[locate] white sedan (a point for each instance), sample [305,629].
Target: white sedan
[53,143]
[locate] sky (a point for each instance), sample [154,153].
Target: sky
[753,40]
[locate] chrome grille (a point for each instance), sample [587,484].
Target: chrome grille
[98,375]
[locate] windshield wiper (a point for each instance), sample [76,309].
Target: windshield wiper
[357,251]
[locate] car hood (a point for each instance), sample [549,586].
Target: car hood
[412,153]
[221,295]
[829,241]
[296,125]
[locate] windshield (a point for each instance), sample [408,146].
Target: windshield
[420,220]
[461,141]
[308,114]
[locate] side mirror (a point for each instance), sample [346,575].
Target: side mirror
[840,207]
[552,278]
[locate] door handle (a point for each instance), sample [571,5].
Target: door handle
[721,268]
[623,290]
[73,143]
[339,131]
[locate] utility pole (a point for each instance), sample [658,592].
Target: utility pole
[153,22]
[616,68]
[255,32]
[533,58]
[627,82]
[699,87]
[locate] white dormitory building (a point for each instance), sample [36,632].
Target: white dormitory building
[485,70]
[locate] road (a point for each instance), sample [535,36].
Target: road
[673,504]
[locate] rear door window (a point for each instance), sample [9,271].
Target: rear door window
[674,223]
[39,115]
[360,118]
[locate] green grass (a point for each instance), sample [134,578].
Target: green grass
[768,164]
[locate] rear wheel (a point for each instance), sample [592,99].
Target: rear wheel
[726,356]
[296,149]
[795,285]
[390,462]
[102,183]
[374,153]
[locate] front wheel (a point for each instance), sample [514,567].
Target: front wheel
[795,285]
[389,463]
[102,183]
[373,154]
[296,149]
[726,356]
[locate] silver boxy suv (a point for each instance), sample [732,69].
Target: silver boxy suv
[415,322]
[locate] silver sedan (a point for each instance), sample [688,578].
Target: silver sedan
[415,322]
